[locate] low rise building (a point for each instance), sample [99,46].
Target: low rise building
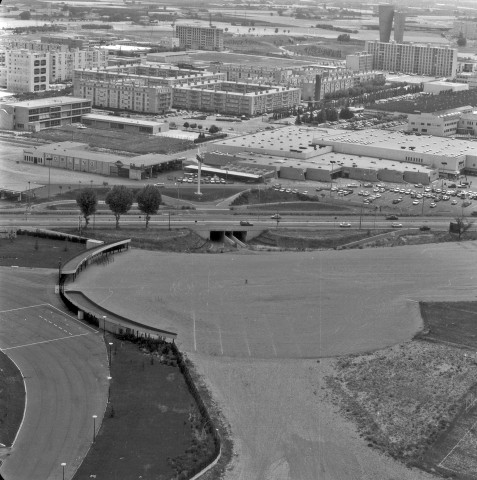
[127,125]
[35,115]
[359,62]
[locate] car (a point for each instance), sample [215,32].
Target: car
[319,189]
[392,217]
[424,228]
[277,216]
[244,223]
[415,202]
[159,184]
[345,225]
[396,225]
[433,205]
[395,201]
[80,126]
[454,202]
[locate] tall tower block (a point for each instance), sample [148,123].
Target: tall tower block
[399,26]
[386,14]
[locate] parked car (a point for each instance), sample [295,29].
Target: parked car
[392,217]
[244,223]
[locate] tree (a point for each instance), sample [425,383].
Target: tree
[461,40]
[276,30]
[87,201]
[25,15]
[193,125]
[346,113]
[213,129]
[459,226]
[119,200]
[344,37]
[148,201]
[186,125]
[200,127]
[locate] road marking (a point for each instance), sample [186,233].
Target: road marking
[220,339]
[74,318]
[44,341]
[23,308]
[193,326]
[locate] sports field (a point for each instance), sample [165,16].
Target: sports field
[250,321]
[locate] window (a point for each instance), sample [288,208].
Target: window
[43,62]
[37,71]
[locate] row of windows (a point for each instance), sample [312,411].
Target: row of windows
[413,159]
[39,62]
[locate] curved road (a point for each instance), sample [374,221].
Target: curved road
[65,370]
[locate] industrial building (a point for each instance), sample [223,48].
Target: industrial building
[77,156]
[200,37]
[127,125]
[459,121]
[35,115]
[437,61]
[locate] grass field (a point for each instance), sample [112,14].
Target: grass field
[114,141]
[152,428]
[12,400]
[33,252]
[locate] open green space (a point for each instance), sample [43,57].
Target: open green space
[12,400]
[116,141]
[35,252]
[152,428]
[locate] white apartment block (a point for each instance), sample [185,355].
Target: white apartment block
[126,95]
[63,59]
[467,28]
[234,98]
[412,58]
[27,71]
[359,62]
[200,38]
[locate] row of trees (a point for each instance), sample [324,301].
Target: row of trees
[120,200]
[324,115]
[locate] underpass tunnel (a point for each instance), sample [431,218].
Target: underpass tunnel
[217,236]
[240,235]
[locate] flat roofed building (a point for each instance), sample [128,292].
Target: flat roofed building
[35,115]
[234,98]
[78,157]
[200,37]
[129,125]
[27,71]
[438,61]
[359,62]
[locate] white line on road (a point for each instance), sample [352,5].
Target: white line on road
[44,341]
[195,339]
[220,339]
[23,308]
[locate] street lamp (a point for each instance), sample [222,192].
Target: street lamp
[94,427]
[49,175]
[63,465]
[29,195]
[109,387]
[110,345]
[104,325]
[226,175]
[332,167]
[443,171]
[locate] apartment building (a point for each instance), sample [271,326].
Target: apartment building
[436,61]
[26,71]
[63,59]
[234,98]
[359,62]
[35,115]
[199,37]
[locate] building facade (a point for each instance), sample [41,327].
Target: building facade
[359,62]
[26,71]
[234,98]
[35,115]
[200,38]
[411,58]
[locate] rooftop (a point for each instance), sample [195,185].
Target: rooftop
[43,102]
[116,119]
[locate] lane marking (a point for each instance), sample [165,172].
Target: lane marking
[220,339]
[26,402]
[85,325]
[23,308]
[44,341]
[193,326]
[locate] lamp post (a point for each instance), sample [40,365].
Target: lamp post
[104,325]
[59,271]
[29,195]
[443,170]
[79,224]
[226,175]
[110,358]
[63,465]
[332,167]
[169,221]
[49,175]
[94,427]
[109,387]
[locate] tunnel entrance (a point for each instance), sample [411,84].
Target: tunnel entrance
[240,235]
[217,236]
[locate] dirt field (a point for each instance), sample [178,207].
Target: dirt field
[282,424]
